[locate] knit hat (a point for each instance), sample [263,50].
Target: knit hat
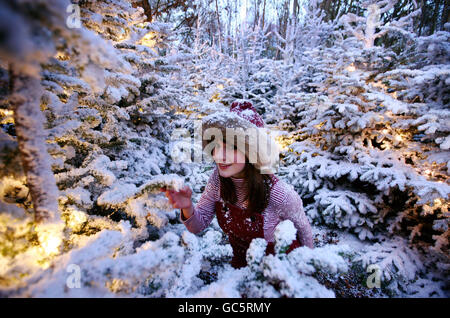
[253,139]
[247,111]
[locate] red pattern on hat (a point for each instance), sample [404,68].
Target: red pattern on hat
[248,112]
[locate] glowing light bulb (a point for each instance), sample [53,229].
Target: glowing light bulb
[318,126]
[351,68]
[149,39]
[61,56]
[76,219]
[50,242]
[50,238]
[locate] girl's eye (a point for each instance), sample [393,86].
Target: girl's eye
[213,150]
[231,148]
[216,145]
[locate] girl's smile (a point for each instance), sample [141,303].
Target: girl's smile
[223,166]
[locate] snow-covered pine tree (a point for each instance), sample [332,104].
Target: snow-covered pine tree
[412,94]
[362,129]
[125,121]
[368,28]
[420,81]
[107,108]
[38,34]
[31,30]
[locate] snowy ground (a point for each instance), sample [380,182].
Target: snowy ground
[111,263]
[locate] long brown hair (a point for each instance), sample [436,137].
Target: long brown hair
[258,189]
[258,185]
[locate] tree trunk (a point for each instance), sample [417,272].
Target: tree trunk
[31,138]
[218,26]
[435,16]
[336,10]
[295,11]
[327,10]
[349,7]
[423,16]
[264,14]
[255,20]
[445,15]
[147,9]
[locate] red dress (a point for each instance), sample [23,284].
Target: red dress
[242,227]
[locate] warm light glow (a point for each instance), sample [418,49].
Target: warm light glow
[350,68]
[220,86]
[279,140]
[215,97]
[117,285]
[380,85]
[142,24]
[123,36]
[283,142]
[6,116]
[51,244]
[61,56]
[318,126]
[149,39]
[76,219]
[385,131]
[6,112]
[50,237]
[398,138]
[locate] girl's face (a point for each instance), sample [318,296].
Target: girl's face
[230,161]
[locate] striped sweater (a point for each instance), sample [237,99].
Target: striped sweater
[284,204]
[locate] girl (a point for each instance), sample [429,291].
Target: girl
[248,202]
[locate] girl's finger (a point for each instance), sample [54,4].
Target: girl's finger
[185,190]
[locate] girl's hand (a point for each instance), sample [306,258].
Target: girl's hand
[179,199]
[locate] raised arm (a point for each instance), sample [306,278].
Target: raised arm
[292,209]
[203,212]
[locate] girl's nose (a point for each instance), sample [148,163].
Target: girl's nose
[221,153]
